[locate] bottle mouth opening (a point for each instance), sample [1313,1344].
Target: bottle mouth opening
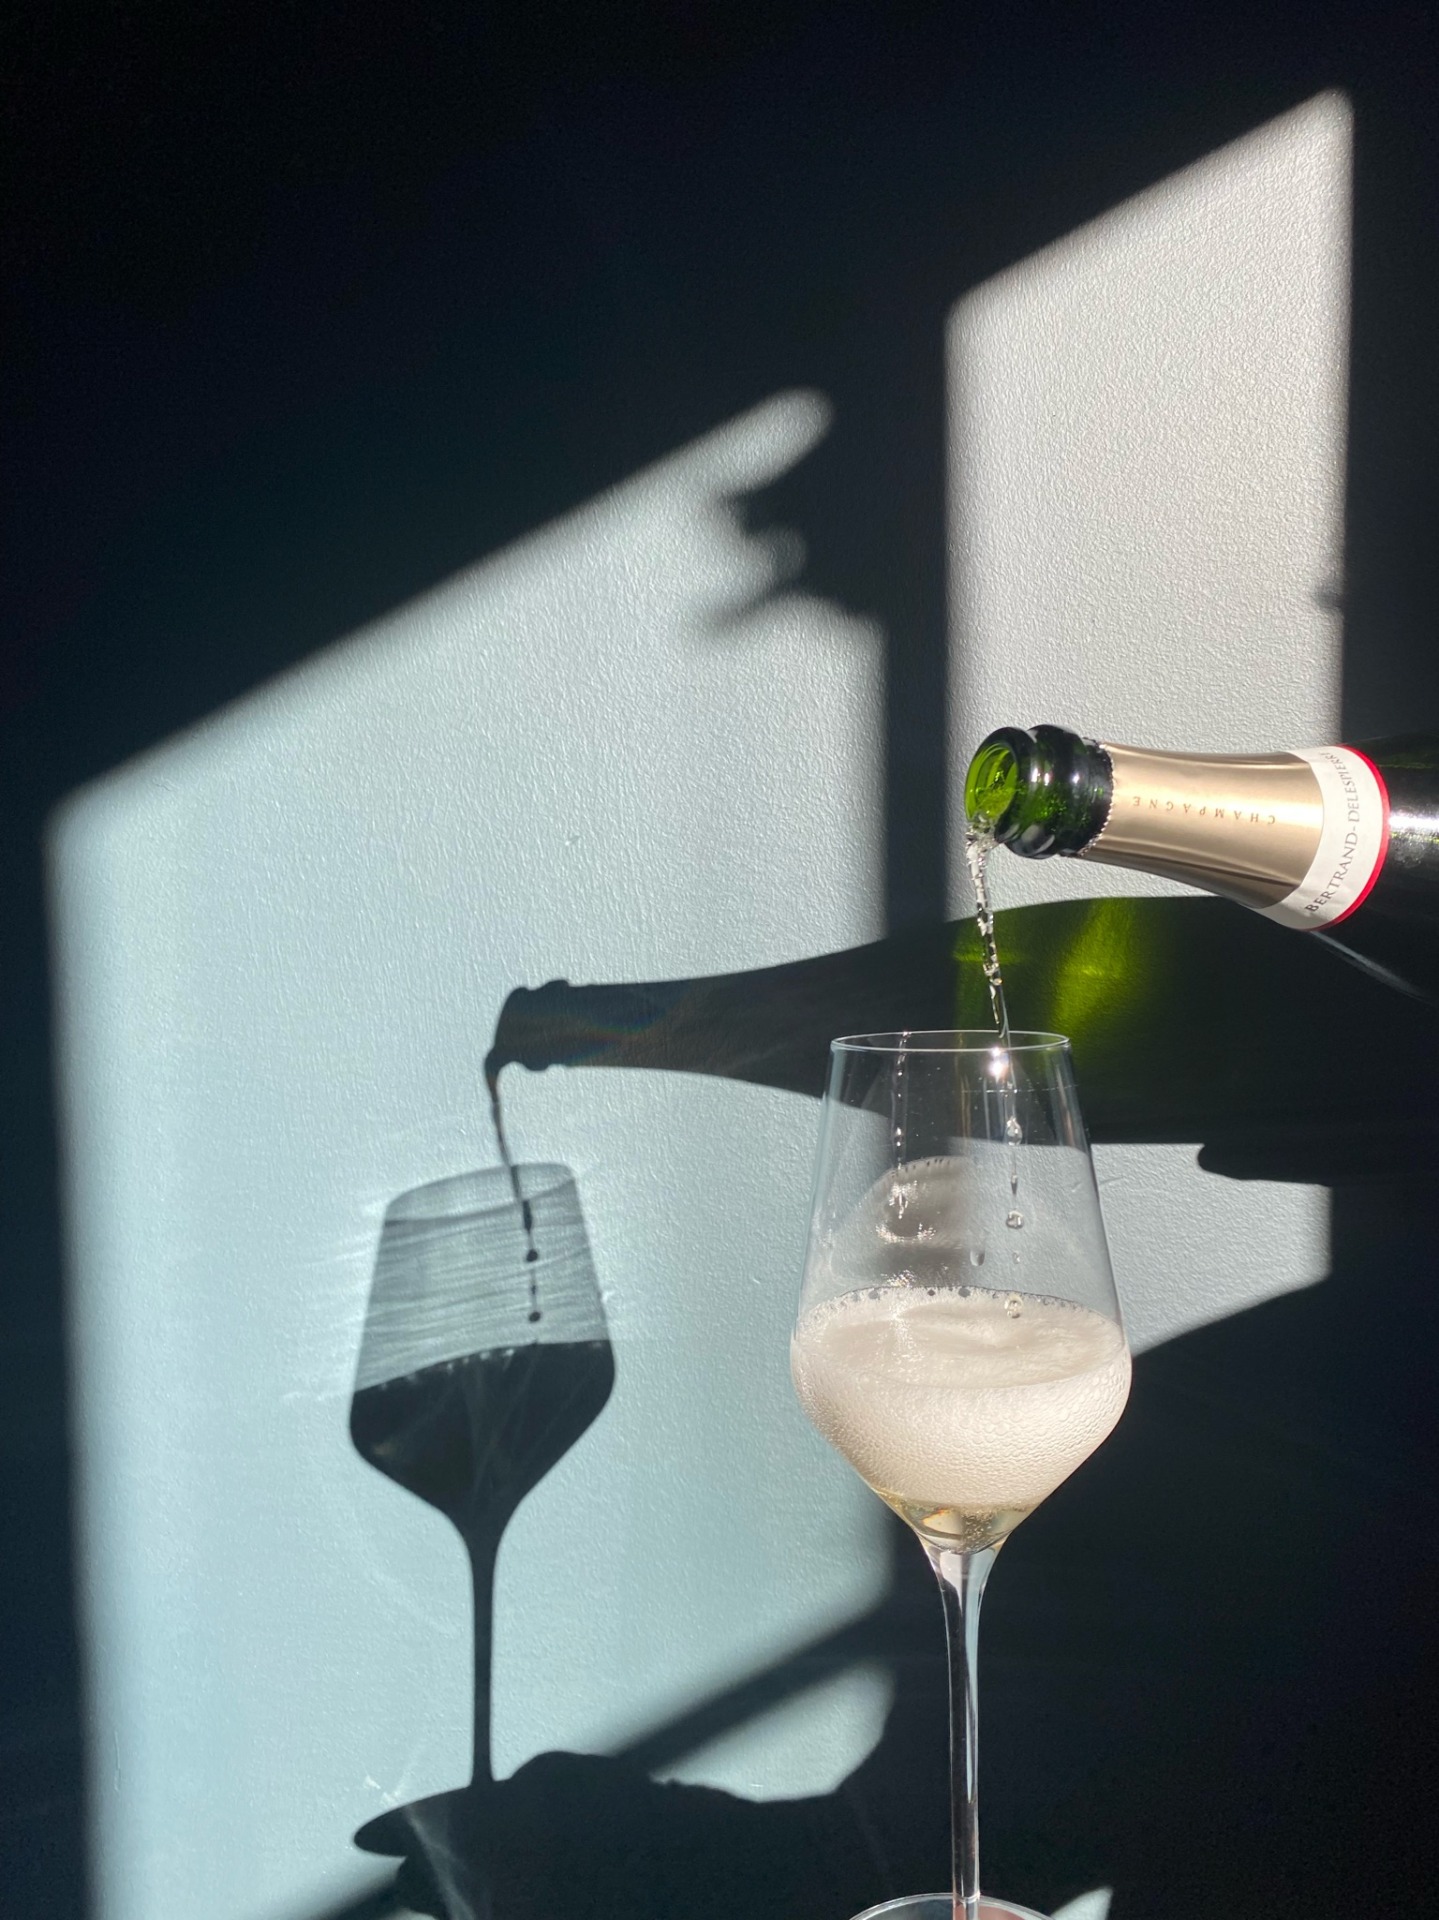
[1005,769]
[992,783]
[1038,792]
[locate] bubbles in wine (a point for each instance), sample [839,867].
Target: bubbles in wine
[960,1399]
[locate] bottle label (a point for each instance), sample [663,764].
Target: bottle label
[1353,840]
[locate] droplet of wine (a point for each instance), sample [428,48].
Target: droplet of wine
[527,1218]
[1014,1218]
[1014,1306]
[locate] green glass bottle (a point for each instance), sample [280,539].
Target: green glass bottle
[1343,841]
[1191,1021]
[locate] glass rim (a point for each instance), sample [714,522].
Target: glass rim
[426,1204]
[942,1904]
[955,1040]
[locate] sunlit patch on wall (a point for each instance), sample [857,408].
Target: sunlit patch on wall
[282,943]
[1147,432]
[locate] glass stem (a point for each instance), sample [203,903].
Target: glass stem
[961,1585]
[484,1546]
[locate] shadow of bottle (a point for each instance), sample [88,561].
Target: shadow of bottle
[1191,1019]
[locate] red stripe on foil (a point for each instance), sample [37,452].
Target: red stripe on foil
[1383,840]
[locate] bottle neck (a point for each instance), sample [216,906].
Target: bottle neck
[1040,792]
[1299,836]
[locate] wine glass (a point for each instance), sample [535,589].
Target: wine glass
[959,1339]
[485,1356]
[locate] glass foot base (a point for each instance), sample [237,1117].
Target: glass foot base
[939,1906]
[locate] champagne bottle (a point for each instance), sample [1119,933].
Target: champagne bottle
[1191,1021]
[1340,840]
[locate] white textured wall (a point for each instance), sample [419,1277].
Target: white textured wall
[283,940]
[1147,468]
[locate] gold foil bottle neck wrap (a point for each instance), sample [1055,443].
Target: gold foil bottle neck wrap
[1246,827]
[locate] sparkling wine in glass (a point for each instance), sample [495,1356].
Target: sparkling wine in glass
[959,1339]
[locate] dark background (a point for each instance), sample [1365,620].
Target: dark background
[304,308]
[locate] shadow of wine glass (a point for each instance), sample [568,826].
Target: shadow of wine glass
[485,1356]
